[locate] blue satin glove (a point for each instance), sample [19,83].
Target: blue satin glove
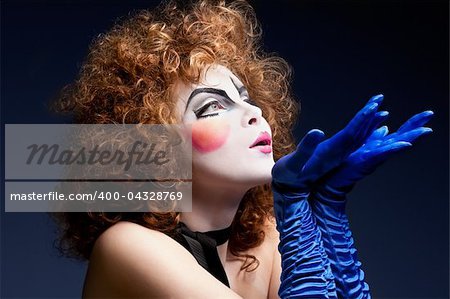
[306,270]
[328,200]
[378,148]
[297,172]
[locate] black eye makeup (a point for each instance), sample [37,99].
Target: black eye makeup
[244,93]
[214,105]
[251,102]
[221,100]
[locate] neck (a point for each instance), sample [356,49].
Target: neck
[213,207]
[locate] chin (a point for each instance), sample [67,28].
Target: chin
[261,179]
[247,176]
[259,175]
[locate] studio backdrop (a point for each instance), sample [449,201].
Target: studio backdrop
[341,52]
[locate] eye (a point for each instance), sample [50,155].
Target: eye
[209,107]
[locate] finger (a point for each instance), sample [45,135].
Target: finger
[330,153]
[379,117]
[360,133]
[363,121]
[378,134]
[362,118]
[348,139]
[306,147]
[336,149]
[412,135]
[417,120]
[382,153]
[376,99]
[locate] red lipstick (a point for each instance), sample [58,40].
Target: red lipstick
[263,143]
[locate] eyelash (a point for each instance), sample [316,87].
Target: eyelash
[205,107]
[208,115]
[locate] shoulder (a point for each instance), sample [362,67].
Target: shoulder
[134,243]
[128,250]
[270,242]
[272,238]
[130,260]
[126,235]
[271,235]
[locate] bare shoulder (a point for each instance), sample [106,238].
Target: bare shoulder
[269,245]
[273,239]
[126,235]
[129,260]
[271,234]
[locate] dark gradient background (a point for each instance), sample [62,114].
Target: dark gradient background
[342,52]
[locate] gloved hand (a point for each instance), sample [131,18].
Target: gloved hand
[305,266]
[328,200]
[296,171]
[378,148]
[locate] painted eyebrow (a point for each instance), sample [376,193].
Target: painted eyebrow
[197,91]
[240,89]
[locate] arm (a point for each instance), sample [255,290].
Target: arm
[306,270]
[329,200]
[339,246]
[305,267]
[131,261]
[275,281]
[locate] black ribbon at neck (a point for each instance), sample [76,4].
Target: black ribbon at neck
[216,237]
[203,246]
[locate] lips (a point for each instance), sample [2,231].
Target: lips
[263,143]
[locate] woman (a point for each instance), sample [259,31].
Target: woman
[201,66]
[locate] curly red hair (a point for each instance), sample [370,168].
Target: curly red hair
[128,78]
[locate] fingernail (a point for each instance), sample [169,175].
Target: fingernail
[403,144]
[378,97]
[373,106]
[383,113]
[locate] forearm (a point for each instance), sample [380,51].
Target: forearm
[337,238]
[306,271]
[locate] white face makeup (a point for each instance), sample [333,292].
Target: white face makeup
[224,123]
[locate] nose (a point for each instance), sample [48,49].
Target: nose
[252,116]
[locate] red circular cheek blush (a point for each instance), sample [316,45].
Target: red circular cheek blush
[209,135]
